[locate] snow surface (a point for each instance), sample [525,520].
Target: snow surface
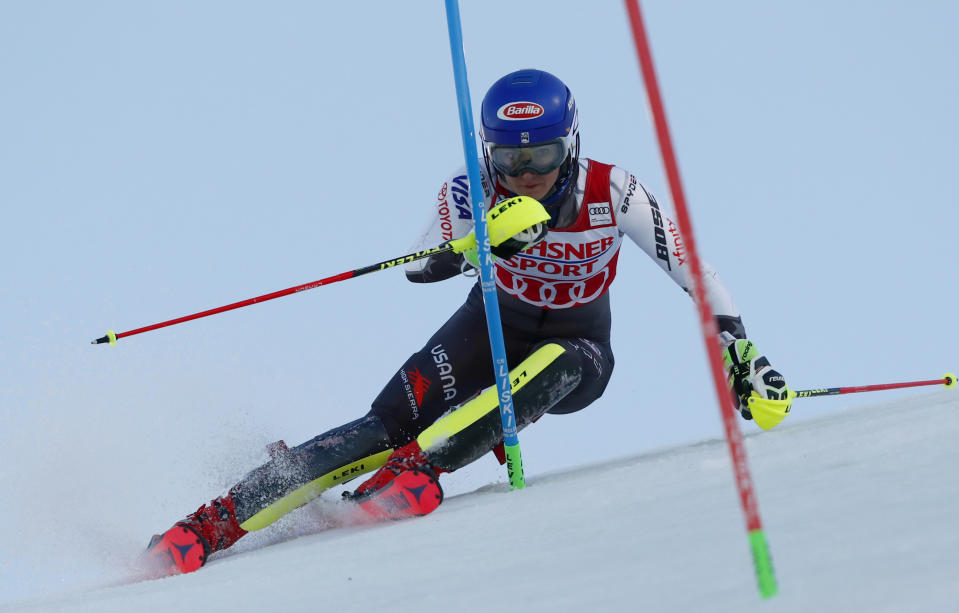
[859,508]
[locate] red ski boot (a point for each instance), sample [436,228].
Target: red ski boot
[186,546]
[406,486]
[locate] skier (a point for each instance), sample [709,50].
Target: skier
[433,416]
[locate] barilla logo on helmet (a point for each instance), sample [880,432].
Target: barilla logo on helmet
[514,111]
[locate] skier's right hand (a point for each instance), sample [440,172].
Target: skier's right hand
[514,225]
[511,246]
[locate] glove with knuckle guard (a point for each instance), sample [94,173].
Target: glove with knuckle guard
[511,246]
[513,226]
[760,392]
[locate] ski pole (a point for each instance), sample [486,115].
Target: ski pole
[948,380]
[112,337]
[506,220]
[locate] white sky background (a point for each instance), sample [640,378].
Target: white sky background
[161,159]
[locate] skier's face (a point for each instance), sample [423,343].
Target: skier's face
[532,185]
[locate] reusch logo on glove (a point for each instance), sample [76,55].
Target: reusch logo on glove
[513,111]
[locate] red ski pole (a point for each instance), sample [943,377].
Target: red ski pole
[112,337]
[948,380]
[506,221]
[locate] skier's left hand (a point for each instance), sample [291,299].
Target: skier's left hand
[760,392]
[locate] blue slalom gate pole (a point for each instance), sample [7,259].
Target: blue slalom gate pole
[514,460]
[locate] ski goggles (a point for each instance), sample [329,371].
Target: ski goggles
[538,159]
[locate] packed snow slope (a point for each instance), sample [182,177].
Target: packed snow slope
[859,507]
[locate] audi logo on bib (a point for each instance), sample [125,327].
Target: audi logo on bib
[600,214]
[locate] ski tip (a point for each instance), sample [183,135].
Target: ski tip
[949,380]
[111,337]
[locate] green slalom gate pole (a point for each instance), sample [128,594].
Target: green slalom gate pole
[762,560]
[514,459]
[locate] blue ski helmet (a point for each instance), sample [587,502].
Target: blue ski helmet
[530,124]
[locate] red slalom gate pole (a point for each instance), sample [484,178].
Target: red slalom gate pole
[757,539]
